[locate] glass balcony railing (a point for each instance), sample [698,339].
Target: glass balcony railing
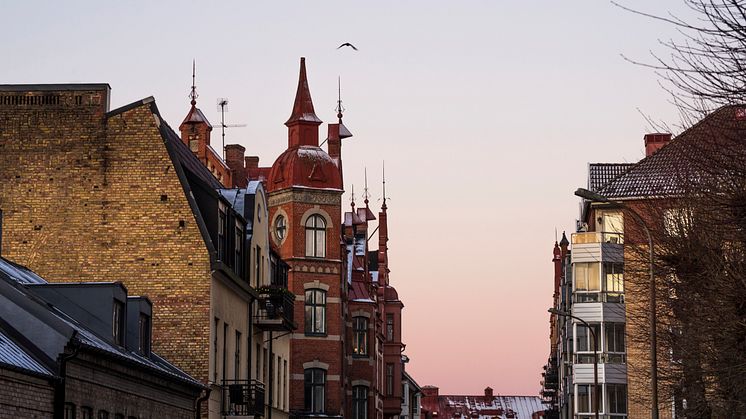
[597,297]
[603,358]
[597,237]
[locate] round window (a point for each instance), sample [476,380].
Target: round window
[280,227]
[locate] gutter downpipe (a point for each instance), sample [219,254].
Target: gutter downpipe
[59,388]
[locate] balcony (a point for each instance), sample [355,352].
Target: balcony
[275,312]
[242,398]
[597,246]
[597,297]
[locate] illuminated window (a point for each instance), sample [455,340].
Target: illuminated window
[360,342]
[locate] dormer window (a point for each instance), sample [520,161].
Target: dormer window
[117,323]
[144,327]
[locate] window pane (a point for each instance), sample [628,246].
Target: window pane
[581,279]
[320,243]
[309,242]
[320,319]
[309,318]
[594,277]
[581,338]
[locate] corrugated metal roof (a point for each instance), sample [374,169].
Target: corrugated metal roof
[12,355]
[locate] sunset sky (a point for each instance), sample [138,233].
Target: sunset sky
[485,112]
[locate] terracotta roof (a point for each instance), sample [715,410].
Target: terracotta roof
[305,166]
[690,158]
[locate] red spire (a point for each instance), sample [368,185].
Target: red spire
[303,124]
[303,106]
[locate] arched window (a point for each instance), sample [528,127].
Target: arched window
[360,340]
[316,236]
[359,402]
[315,389]
[315,312]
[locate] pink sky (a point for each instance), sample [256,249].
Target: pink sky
[486,114]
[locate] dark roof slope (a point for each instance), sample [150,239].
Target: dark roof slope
[13,356]
[690,159]
[83,336]
[600,174]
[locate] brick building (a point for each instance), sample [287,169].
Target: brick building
[346,356]
[72,350]
[129,201]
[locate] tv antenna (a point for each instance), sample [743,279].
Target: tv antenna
[222,104]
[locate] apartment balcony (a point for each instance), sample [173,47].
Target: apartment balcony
[612,368]
[599,306]
[597,246]
[276,305]
[242,398]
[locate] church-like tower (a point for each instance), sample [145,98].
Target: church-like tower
[305,189]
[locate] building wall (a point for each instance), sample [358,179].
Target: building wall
[325,273]
[25,396]
[280,354]
[102,384]
[105,190]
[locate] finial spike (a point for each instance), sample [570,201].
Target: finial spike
[193,94]
[366,195]
[352,198]
[384,186]
[340,109]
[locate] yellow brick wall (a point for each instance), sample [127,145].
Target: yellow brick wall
[91,199]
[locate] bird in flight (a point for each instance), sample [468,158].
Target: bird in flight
[347,44]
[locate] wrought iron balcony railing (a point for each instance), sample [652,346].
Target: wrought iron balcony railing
[276,305]
[243,398]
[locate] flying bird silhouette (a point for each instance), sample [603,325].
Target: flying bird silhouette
[347,44]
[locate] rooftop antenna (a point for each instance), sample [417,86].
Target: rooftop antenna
[222,104]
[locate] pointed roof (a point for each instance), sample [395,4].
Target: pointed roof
[195,116]
[303,106]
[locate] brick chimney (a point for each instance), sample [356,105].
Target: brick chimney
[234,158]
[654,141]
[488,394]
[252,162]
